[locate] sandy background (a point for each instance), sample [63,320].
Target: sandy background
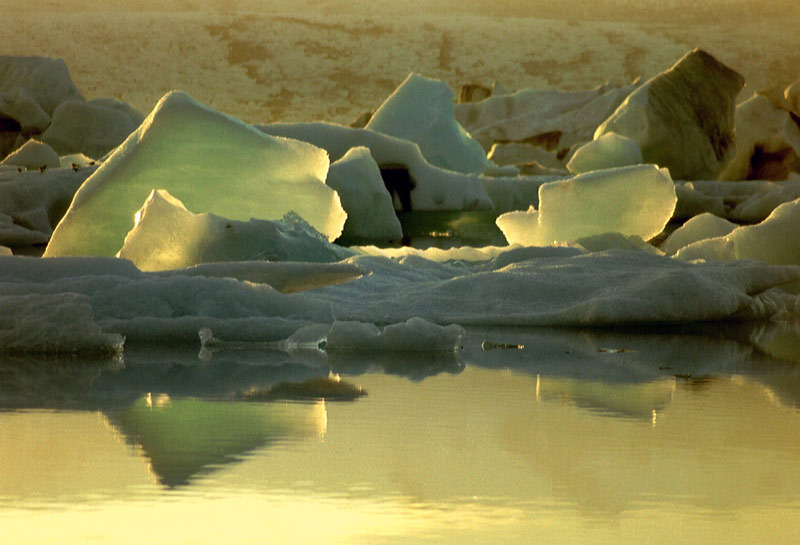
[305,60]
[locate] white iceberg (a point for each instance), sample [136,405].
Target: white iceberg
[168,236]
[683,118]
[555,119]
[421,110]
[767,142]
[637,200]
[45,80]
[414,183]
[213,163]
[610,150]
[774,240]
[88,128]
[747,201]
[370,212]
[699,227]
[33,155]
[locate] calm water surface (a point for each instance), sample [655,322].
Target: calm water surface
[602,437]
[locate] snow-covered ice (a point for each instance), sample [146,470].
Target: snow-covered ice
[211,162]
[168,236]
[637,200]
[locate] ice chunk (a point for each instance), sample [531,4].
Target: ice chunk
[421,110]
[45,80]
[133,114]
[774,240]
[83,127]
[767,142]
[609,241]
[683,118]
[33,155]
[168,236]
[610,150]
[747,201]
[519,153]
[699,227]
[213,163]
[54,324]
[370,212]
[413,182]
[22,108]
[413,335]
[32,202]
[554,119]
[637,200]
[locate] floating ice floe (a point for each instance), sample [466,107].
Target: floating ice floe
[210,161]
[89,128]
[700,227]
[610,150]
[683,118]
[767,142]
[637,200]
[421,110]
[33,155]
[555,120]
[168,236]
[520,154]
[414,183]
[774,240]
[414,335]
[370,212]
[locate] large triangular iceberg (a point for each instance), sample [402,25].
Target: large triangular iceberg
[210,161]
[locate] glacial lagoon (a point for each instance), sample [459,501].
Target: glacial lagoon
[521,435]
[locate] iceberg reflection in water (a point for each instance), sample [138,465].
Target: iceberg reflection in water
[595,436]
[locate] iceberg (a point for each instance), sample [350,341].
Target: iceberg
[699,227]
[211,162]
[774,240]
[767,142]
[88,128]
[370,212]
[610,150]
[168,236]
[32,202]
[556,120]
[45,80]
[421,110]
[636,200]
[23,109]
[415,335]
[414,183]
[33,155]
[683,118]
[748,201]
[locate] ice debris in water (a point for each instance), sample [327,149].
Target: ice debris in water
[774,240]
[370,212]
[168,236]
[421,110]
[413,335]
[637,200]
[213,163]
[683,118]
